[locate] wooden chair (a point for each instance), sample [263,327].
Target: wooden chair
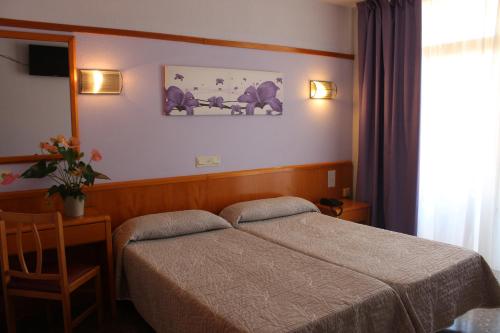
[52,282]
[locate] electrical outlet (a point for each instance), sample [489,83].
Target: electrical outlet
[331,178]
[207,161]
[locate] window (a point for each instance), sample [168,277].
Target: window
[459,185]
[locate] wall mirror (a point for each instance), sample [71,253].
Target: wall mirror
[37,92]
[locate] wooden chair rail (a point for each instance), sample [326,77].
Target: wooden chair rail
[169,37]
[212,192]
[34,276]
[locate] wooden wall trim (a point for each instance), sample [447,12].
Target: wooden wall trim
[212,192]
[182,179]
[169,37]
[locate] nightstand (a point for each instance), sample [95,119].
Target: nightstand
[354,211]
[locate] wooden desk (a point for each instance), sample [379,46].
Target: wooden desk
[355,211]
[91,228]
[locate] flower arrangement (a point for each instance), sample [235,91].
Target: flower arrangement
[70,173]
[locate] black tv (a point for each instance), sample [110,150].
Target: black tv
[48,60]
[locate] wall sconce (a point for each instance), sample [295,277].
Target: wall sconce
[322,89]
[96,81]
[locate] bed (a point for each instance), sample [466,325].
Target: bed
[190,271]
[436,282]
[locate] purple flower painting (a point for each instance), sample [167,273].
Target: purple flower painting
[264,94]
[216,102]
[176,99]
[192,91]
[236,109]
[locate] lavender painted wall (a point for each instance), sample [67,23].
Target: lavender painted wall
[314,24]
[138,142]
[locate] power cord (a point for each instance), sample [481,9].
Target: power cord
[13,60]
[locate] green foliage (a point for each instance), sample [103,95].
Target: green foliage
[40,170]
[69,173]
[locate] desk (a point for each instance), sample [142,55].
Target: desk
[93,227]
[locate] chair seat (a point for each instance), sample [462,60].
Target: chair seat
[74,272]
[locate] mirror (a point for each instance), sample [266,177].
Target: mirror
[37,93]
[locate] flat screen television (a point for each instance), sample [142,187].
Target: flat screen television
[48,60]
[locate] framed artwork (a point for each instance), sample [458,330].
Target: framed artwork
[203,91]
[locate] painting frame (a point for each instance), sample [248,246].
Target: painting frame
[213,91]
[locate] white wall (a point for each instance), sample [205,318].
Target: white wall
[309,132]
[139,142]
[301,23]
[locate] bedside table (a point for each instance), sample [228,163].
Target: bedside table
[354,211]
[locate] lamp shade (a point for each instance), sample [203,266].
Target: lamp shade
[97,81]
[322,89]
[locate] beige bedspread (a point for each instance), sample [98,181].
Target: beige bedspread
[437,282]
[230,281]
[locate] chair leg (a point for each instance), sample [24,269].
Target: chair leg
[98,297]
[10,314]
[66,304]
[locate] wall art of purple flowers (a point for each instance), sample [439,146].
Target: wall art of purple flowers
[214,91]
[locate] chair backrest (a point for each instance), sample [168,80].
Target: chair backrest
[24,225]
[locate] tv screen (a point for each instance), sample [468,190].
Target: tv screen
[48,60]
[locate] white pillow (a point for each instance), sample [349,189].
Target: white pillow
[263,209]
[169,224]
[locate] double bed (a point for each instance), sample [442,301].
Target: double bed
[436,282]
[191,271]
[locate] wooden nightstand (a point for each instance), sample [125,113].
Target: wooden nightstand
[355,211]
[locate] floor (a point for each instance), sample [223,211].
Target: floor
[475,321]
[129,321]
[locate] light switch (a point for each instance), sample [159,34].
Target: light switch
[207,161]
[331,178]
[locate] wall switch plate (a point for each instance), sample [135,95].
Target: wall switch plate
[207,161]
[331,178]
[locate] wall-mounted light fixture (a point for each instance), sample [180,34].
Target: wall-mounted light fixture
[322,89]
[96,81]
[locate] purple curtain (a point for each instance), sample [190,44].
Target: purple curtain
[390,48]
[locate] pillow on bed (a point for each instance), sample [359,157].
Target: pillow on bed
[169,224]
[157,226]
[255,210]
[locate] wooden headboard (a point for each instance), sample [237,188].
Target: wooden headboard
[212,192]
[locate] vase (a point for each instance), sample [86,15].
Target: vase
[74,207]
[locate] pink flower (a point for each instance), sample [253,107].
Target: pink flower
[48,147]
[8,178]
[60,139]
[95,155]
